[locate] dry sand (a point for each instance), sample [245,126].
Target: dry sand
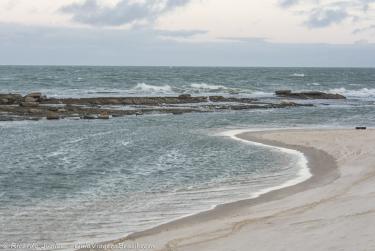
[334,210]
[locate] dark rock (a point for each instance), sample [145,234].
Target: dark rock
[184,96]
[34,111]
[52,115]
[217,98]
[361,128]
[89,116]
[10,99]
[30,99]
[287,103]
[4,101]
[53,109]
[309,95]
[283,92]
[103,115]
[29,104]
[34,95]
[176,112]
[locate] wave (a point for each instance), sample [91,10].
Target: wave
[359,93]
[207,87]
[145,88]
[301,75]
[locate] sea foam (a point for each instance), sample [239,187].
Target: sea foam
[301,75]
[359,93]
[150,89]
[303,174]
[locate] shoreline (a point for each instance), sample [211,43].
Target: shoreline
[319,176]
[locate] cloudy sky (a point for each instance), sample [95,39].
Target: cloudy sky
[188,32]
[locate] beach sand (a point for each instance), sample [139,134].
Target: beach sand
[334,210]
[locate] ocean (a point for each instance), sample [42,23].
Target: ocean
[78,181]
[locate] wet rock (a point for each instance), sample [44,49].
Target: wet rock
[10,99]
[53,109]
[308,95]
[37,96]
[4,101]
[89,116]
[184,96]
[103,115]
[34,94]
[176,112]
[283,92]
[34,111]
[30,100]
[288,103]
[52,115]
[29,104]
[217,98]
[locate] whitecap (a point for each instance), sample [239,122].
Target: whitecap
[125,143]
[207,87]
[301,75]
[359,93]
[145,88]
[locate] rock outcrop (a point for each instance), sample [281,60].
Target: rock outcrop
[52,115]
[308,95]
[36,106]
[10,99]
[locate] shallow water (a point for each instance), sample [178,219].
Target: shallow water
[77,181]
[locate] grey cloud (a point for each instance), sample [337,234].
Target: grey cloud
[366,4]
[288,3]
[124,12]
[180,33]
[325,17]
[68,46]
[364,29]
[245,39]
[325,14]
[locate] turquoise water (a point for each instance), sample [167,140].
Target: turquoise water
[76,181]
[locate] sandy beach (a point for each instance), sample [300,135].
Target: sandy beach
[334,210]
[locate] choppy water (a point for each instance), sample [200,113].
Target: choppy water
[76,181]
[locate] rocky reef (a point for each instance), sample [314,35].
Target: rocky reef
[35,106]
[308,95]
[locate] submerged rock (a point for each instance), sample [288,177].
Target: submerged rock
[89,116]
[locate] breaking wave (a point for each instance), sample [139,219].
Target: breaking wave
[300,75]
[145,88]
[207,87]
[359,93]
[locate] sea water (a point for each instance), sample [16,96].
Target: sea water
[81,181]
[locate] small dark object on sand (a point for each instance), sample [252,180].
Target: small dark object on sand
[361,128]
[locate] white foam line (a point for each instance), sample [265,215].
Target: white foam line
[304,172]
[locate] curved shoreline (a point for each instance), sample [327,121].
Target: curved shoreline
[321,174]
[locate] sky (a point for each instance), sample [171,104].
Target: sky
[317,33]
